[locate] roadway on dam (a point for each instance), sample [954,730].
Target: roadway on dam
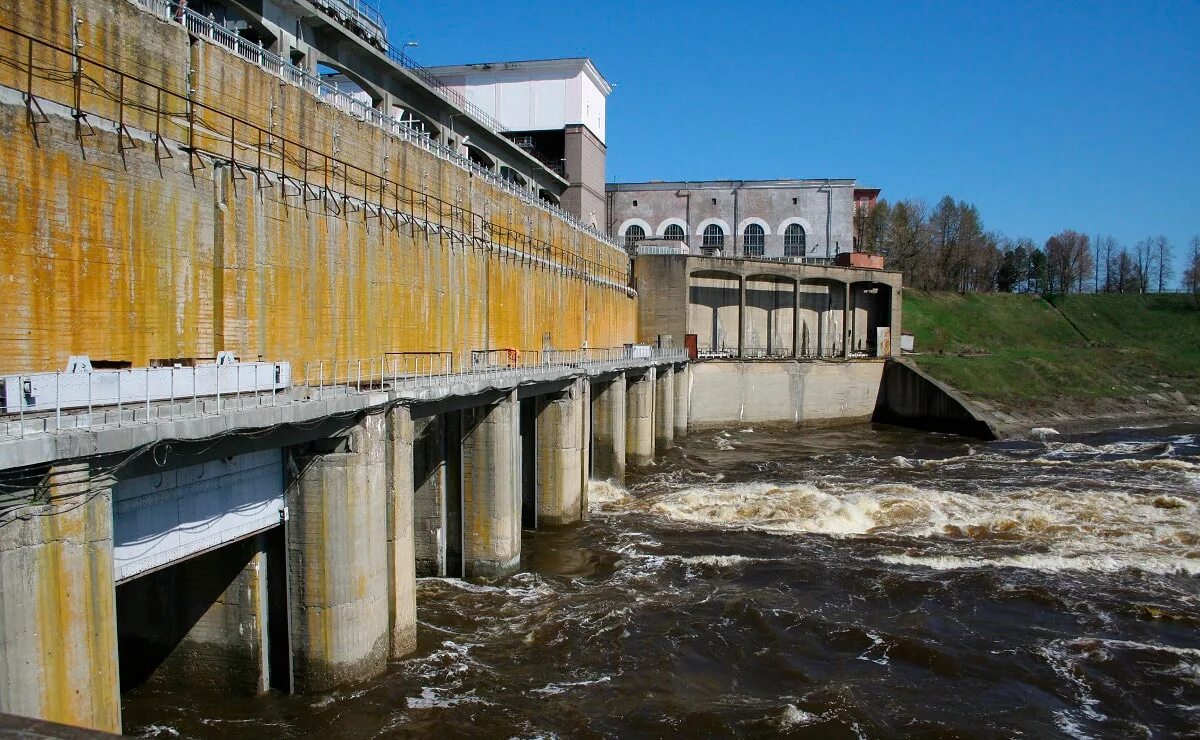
[865,581]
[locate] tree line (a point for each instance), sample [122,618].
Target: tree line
[946,247]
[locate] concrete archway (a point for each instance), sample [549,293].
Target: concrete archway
[768,322]
[714,300]
[871,310]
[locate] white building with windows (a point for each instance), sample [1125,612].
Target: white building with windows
[812,220]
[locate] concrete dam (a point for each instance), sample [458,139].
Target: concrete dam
[269,356]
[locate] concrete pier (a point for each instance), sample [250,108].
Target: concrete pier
[639,417]
[561,459]
[401,550]
[608,429]
[337,559]
[201,623]
[58,642]
[683,397]
[491,488]
[664,408]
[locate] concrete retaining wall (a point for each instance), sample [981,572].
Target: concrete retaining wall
[176,263]
[725,392]
[910,398]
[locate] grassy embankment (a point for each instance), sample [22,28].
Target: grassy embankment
[1021,351]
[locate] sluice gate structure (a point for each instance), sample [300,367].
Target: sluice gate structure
[267,358]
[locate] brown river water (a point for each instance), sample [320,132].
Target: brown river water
[863,582]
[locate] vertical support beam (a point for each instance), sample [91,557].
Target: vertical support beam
[664,408]
[401,555]
[639,417]
[608,430]
[741,316]
[58,617]
[337,561]
[796,319]
[894,320]
[847,315]
[683,398]
[561,476]
[491,489]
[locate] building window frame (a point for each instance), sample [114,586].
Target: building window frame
[795,240]
[714,237]
[754,240]
[634,233]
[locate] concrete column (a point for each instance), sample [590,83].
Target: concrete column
[429,491]
[683,396]
[491,488]
[608,430]
[846,317]
[201,623]
[561,478]
[58,622]
[796,339]
[664,408]
[639,418]
[894,321]
[338,560]
[401,555]
[741,316]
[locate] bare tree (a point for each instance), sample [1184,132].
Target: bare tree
[1106,249]
[1144,254]
[1068,261]
[1191,272]
[1162,255]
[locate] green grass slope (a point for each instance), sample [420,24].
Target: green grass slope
[1020,350]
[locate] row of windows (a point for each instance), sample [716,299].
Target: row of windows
[753,238]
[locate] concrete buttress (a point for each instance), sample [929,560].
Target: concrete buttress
[58,630]
[639,418]
[683,396]
[664,407]
[402,576]
[608,430]
[337,561]
[491,489]
[561,463]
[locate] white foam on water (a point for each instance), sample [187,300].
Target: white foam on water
[159,730]
[601,493]
[793,716]
[1050,563]
[553,689]
[1102,529]
[431,699]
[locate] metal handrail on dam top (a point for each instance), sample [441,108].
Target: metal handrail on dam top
[202,27]
[300,171]
[96,399]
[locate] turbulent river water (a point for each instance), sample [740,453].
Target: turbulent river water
[867,582]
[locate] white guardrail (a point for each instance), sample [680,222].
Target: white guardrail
[254,53]
[86,398]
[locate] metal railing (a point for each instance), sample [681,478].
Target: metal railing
[413,371]
[122,397]
[393,372]
[255,54]
[368,18]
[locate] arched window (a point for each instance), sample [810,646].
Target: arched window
[753,240]
[714,237]
[633,235]
[674,232]
[793,241]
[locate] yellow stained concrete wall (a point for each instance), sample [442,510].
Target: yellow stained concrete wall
[121,258]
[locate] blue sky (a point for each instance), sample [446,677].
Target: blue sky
[1045,115]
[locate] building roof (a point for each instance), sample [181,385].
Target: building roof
[726,184]
[563,63]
